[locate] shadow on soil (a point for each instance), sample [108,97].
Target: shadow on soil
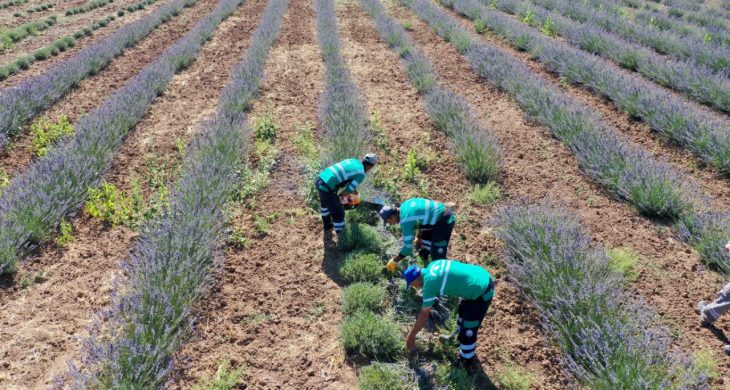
[719,333]
[331,259]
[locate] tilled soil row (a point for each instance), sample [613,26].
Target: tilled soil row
[59,8]
[62,29]
[379,75]
[69,24]
[636,131]
[43,323]
[274,310]
[536,166]
[94,89]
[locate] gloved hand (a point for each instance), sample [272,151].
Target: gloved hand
[392,265]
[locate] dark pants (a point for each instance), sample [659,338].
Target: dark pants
[331,210]
[436,237]
[471,314]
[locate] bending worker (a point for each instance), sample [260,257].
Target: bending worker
[472,283]
[710,311]
[347,175]
[435,223]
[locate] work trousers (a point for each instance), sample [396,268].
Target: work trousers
[331,210]
[471,314]
[713,310]
[435,238]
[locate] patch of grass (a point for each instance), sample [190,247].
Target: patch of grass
[363,216]
[704,362]
[256,318]
[46,133]
[452,376]
[304,141]
[261,225]
[376,128]
[33,279]
[513,377]
[265,127]
[381,376]
[66,235]
[359,237]
[224,379]
[485,194]
[4,179]
[316,310]
[373,336]
[408,26]
[363,296]
[362,267]
[625,262]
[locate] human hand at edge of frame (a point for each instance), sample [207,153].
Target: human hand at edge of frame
[727,248]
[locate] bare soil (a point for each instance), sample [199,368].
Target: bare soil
[42,323]
[7,19]
[538,166]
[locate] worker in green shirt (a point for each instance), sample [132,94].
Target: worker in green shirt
[338,180]
[472,283]
[434,222]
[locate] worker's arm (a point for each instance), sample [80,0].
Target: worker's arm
[407,231]
[356,180]
[420,323]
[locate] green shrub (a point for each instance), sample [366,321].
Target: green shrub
[485,195]
[548,27]
[363,296]
[362,267]
[42,54]
[65,234]
[513,377]
[24,62]
[408,26]
[46,133]
[361,216]
[121,13]
[480,26]
[78,34]
[381,376]
[625,262]
[265,127]
[454,377]
[359,236]
[87,31]
[373,336]
[225,378]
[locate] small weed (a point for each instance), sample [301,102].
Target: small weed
[65,234]
[36,278]
[265,127]
[408,26]
[548,27]
[4,179]
[316,310]
[451,376]
[256,318]
[480,26]
[110,204]
[704,362]
[625,262]
[373,336]
[225,378]
[261,225]
[376,128]
[528,17]
[46,134]
[363,296]
[362,267]
[237,238]
[513,377]
[380,376]
[304,141]
[411,168]
[591,202]
[485,195]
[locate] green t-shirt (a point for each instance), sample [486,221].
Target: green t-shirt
[348,173]
[417,211]
[453,278]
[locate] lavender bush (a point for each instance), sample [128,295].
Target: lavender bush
[20,104]
[131,345]
[476,150]
[714,57]
[610,338]
[695,81]
[628,172]
[706,136]
[55,186]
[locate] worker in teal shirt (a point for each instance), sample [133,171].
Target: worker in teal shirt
[337,180]
[472,283]
[434,222]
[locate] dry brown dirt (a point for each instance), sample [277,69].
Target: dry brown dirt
[41,325]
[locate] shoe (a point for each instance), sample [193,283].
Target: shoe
[726,349]
[698,309]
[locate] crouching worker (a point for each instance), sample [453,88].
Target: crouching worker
[472,283]
[710,311]
[435,223]
[344,176]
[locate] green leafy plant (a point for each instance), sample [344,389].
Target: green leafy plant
[237,238]
[408,26]
[480,26]
[362,267]
[513,377]
[304,141]
[4,179]
[373,336]
[410,169]
[528,17]
[359,237]
[47,133]
[261,225]
[265,128]
[625,262]
[224,379]
[363,296]
[548,27]
[485,194]
[391,376]
[454,377]
[65,234]
[110,204]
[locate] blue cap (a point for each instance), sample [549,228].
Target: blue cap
[411,274]
[386,212]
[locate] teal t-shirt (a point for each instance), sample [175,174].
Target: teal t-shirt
[349,173]
[453,278]
[417,211]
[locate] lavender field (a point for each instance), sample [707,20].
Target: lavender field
[160,227]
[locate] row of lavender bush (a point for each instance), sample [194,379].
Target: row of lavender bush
[710,30]
[696,81]
[476,150]
[133,343]
[610,338]
[21,103]
[630,173]
[55,186]
[714,57]
[706,136]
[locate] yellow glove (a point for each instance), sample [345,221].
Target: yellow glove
[392,265]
